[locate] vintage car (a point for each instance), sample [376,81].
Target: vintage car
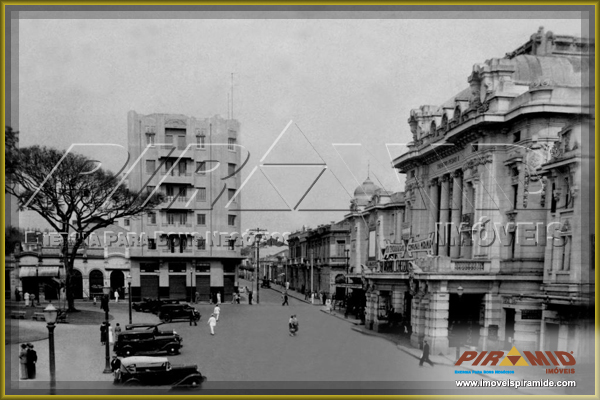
[153,305]
[155,371]
[150,327]
[147,342]
[170,312]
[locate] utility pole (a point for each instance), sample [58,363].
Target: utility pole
[258,235]
[312,293]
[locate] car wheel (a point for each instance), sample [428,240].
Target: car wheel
[167,318]
[132,382]
[127,351]
[194,382]
[172,350]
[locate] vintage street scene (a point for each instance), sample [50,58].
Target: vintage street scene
[290,201]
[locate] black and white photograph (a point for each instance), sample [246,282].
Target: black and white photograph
[299,200]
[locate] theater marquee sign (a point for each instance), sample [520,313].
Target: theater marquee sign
[404,252]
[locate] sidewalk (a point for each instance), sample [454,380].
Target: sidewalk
[294,294]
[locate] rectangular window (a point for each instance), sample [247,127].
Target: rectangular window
[150,166]
[230,169]
[182,193]
[517,137]
[231,144]
[201,219]
[168,166]
[152,218]
[230,194]
[566,259]
[127,222]
[151,244]
[201,141]
[200,167]
[515,196]
[201,194]
[170,190]
[150,139]
[183,218]
[169,139]
[513,243]
[170,219]
[182,168]
[181,142]
[148,267]
[177,267]
[341,248]
[203,267]
[231,220]
[231,243]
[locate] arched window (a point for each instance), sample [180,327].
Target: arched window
[457,114]
[445,123]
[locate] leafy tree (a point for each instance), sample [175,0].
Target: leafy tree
[11,141]
[12,237]
[75,196]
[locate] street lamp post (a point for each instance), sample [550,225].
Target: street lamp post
[257,267]
[347,251]
[105,301]
[37,283]
[129,295]
[50,315]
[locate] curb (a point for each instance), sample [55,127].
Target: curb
[349,320]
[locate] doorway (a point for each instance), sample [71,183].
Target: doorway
[509,328]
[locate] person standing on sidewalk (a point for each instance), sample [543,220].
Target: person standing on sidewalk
[425,356]
[116,296]
[31,360]
[103,333]
[23,362]
[193,320]
[250,297]
[212,322]
[217,312]
[285,299]
[117,331]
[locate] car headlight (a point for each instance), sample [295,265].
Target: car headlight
[174,333]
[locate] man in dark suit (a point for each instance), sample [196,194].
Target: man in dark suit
[425,356]
[31,360]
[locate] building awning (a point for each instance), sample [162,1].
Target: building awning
[33,271]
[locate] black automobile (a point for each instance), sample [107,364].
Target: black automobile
[153,305]
[150,327]
[137,371]
[147,342]
[170,312]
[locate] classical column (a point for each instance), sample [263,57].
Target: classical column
[432,204]
[436,324]
[444,217]
[457,207]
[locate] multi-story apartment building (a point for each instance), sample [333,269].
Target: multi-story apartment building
[190,240]
[480,208]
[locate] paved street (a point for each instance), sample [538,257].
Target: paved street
[252,343]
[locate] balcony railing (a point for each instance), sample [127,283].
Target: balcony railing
[469,266]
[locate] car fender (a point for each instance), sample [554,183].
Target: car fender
[171,343]
[185,381]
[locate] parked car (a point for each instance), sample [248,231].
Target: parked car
[170,312]
[148,327]
[147,342]
[135,371]
[153,305]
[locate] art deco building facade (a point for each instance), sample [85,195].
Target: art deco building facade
[189,239]
[483,187]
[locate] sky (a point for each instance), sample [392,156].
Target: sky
[344,89]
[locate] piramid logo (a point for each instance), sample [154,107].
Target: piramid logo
[515,359]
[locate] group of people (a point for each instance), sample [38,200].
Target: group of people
[27,359]
[29,298]
[108,334]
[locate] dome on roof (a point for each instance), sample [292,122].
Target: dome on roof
[366,190]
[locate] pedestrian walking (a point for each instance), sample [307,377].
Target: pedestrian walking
[425,355]
[116,296]
[197,299]
[285,300]
[250,297]
[115,364]
[31,361]
[212,322]
[111,334]
[293,325]
[217,312]
[26,298]
[193,320]
[95,300]
[218,299]
[23,362]
[103,333]
[32,299]
[117,331]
